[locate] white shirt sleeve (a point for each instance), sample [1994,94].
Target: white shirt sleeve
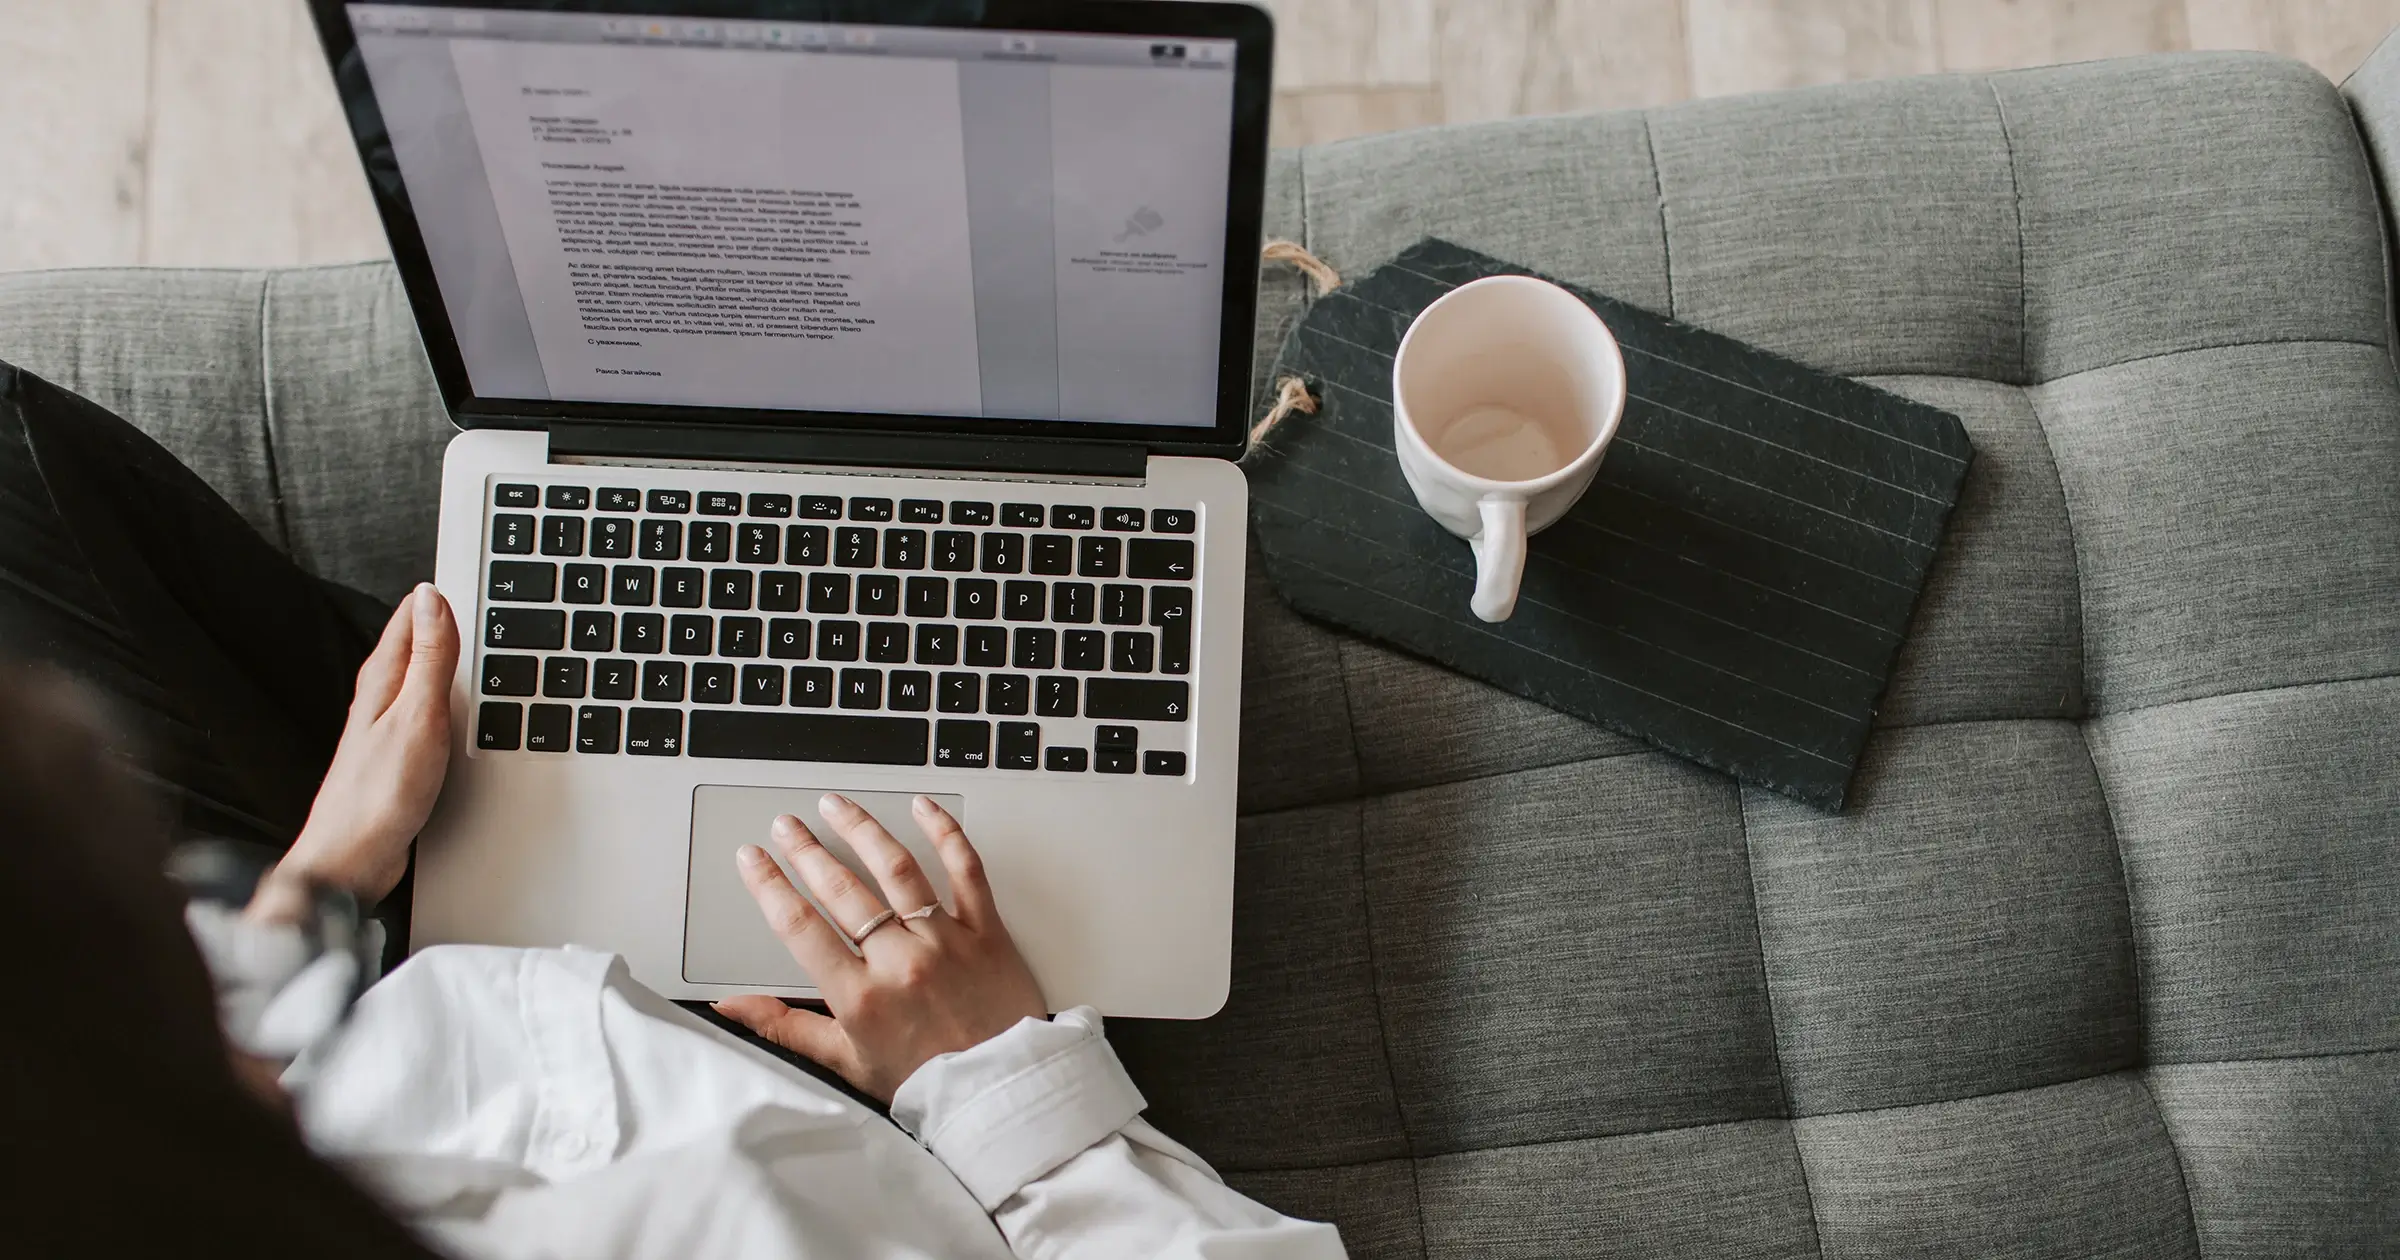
[1043,1127]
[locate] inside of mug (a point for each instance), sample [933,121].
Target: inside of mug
[1509,382]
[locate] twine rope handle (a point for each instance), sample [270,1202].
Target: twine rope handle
[1317,269]
[1291,393]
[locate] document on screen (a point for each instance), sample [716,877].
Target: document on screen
[765,229]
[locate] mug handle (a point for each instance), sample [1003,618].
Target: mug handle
[1499,558]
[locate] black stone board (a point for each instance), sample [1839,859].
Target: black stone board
[1733,588]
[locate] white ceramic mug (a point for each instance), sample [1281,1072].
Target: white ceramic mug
[1504,394]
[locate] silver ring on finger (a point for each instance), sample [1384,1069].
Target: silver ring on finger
[926,911]
[867,929]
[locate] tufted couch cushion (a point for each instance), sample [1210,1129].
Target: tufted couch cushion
[2105,958]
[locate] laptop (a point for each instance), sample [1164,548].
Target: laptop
[847,402]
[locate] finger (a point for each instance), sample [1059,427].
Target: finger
[970,896]
[804,1033]
[432,650]
[813,943]
[903,881]
[379,677]
[844,896]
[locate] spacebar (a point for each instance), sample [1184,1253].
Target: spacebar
[881,741]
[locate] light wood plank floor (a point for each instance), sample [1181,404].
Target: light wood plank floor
[204,132]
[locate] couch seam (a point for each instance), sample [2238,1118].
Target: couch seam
[1658,186]
[2191,1210]
[1766,986]
[2130,710]
[266,410]
[2016,201]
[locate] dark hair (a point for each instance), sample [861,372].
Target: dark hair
[128,1130]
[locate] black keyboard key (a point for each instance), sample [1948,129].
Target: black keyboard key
[512,534]
[971,513]
[712,683]
[787,639]
[1099,556]
[586,584]
[887,642]
[1067,760]
[662,681]
[1138,699]
[1175,648]
[672,502]
[829,592]
[1003,553]
[967,745]
[1054,696]
[863,509]
[1073,602]
[620,499]
[779,591]
[1162,761]
[854,547]
[1115,760]
[712,541]
[812,687]
[1122,519]
[759,544]
[820,507]
[549,728]
[497,725]
[911,691]
[1021,515]
[1120,604]
[961,693]
[565,677]
[612,537]
[511,675]
[524,629]
[1116,737]
[953,551]
[1084,649]
[562,535]
[1131,652]
[720,503]
[594,631]
[762,685]
[632,585]
[1037,648]
[682,588]
[975,599]
[1066,517]
[662,540]
[878,595]
[861,689]
[512,494]
[777,506]
[597,727]
[1020,746]
[642,634]
[692,635]
[729,589]
[921,511]
[928,597]
[568,498]
[1159,559]
[1171,605]
[740,637]
[1024,601]
[1052,555]
[1173,520]
[986,646]
[614,680]
[904,549]
[808,546]
[654,732]
[837,640]
[874,741]
[522,582]
[1008,693]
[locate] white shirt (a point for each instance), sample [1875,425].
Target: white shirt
[519,1103]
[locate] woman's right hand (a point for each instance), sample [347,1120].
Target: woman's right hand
[926,985]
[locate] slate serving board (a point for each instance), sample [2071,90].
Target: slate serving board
[1733,588]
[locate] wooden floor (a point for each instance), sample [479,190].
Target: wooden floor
[204,132]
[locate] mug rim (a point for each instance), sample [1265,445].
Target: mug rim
[1530,486]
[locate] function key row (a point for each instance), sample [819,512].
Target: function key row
[826,507]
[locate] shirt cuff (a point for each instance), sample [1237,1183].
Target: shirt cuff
[1004,1114]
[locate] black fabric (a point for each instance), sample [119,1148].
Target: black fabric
[1734,586]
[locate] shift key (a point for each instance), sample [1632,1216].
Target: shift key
[1137,699]
[525,629]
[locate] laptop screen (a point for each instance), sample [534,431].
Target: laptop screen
[867,219]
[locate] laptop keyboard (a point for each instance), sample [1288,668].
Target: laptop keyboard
[888,631]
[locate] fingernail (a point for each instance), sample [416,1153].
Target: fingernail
[834,800]
[924,804]
[424,595]
[751,855]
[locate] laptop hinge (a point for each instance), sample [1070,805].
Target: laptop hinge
[749,444]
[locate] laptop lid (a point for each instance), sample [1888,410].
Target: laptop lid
[1030,219]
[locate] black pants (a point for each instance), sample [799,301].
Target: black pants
[227,668]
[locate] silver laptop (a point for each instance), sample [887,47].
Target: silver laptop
[844,406]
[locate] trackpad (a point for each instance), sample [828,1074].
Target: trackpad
[725,940]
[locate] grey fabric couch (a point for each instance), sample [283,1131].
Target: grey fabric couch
[2105,959]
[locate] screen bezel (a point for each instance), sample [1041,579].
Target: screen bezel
[1249,28]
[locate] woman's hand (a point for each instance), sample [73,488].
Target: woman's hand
[389,767]
[928,984]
